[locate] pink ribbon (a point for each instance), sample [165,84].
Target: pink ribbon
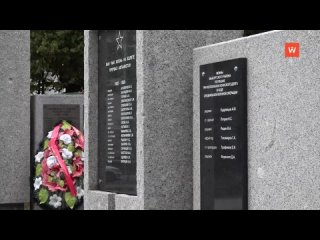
[56,153]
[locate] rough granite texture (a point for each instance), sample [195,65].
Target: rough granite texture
[167,72]
[164,118]
[14,116]
[283,118]
[91,201]
[97,200]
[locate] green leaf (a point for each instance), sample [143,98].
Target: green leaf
[50,179]
[46,144]
[43,195]
[65,125]
[71,148]
[61,183]
[78,153]
[70,200]
[38,170]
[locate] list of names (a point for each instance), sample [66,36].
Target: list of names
[223,134]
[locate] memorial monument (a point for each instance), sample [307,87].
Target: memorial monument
[138,117]
[275,165]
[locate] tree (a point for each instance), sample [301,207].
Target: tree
[56,60]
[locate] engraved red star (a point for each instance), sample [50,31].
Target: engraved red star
[119,41]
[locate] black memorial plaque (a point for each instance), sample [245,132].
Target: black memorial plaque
[54,113]
[117,111]
[223,133]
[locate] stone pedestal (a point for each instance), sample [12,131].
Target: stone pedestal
[14,116]
[163,119]
[283,117]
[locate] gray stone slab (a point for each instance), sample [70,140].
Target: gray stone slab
[283,118]
[38,105]
[164,118]
[102,200]
[14,116]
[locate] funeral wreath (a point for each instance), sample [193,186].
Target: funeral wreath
[59,169]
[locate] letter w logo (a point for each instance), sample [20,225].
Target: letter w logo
[292,50]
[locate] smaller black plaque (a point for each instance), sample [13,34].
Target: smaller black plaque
[54,113]
[223,133]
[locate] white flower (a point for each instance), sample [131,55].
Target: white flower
[51,161]
[80,192]
[66,138]
[55,201]
[69,169]
[37,183]
[49,135]
[39,156]
[66,154]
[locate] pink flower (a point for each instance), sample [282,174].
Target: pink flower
[80,139]
[79,143]
[69,132]
[47,153]
[53,186]
[78,170]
